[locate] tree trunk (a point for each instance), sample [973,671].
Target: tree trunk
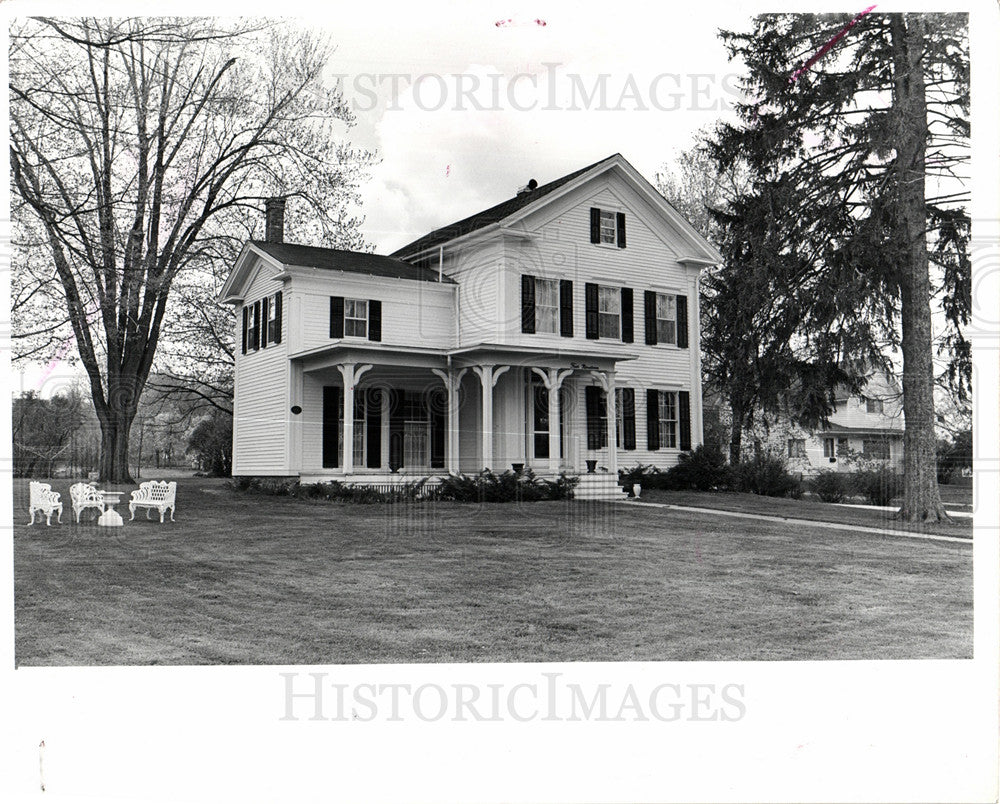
[115,428]
[922,498]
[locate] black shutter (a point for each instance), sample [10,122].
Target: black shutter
[397,421]
[374,320]
[591,319]
[527,304]
[682,322]
[566,308]
[336,316]
[649,305]
[628,319]
[593,407]
[256,325]
[437,427]
[652,419]
[246,317]
[595,225]
[374,423]
[277,316]
[265,310]
[332,411]
[628,418]
[621,229]
[684,415]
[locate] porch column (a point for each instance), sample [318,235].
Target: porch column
[552,379]
[607,381]
[488,376]
[452,380]
[351,372]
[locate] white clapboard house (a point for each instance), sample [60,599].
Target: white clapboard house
[557,328]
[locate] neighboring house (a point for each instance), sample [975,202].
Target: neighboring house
[868,427]
[536,332]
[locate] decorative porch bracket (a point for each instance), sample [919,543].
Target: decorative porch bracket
[552,379]
[606,379]
[351,372]
[452,380]
[488,376]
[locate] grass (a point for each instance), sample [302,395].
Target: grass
[254,580]
[806,508]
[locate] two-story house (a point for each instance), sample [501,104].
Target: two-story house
[556,330]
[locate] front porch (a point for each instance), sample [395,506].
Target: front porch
[374,420]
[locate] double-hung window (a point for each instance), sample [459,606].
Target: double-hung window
[272,319]
[609,312]
[666,318]
[547,305]
[668,419]
[609,227]
[356,318]
[829,449]
[796,448]
[873,405]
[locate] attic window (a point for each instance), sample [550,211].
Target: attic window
[608,227]
[873,405]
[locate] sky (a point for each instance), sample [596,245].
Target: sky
[465,106]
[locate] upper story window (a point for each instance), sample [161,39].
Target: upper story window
[609,311]
[355,318]
[607,227]
[272,320]
[253,327]
[873,405]
[666,318]
[547,305]
[262,323]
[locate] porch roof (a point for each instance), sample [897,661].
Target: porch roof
[551,356]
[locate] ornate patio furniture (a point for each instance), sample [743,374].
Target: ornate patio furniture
[42,498]
[84,496]
[157,494]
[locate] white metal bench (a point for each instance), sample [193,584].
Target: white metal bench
[157,494]
[84,496]
[42,498]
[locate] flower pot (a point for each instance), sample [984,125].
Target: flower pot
[517,467]
[591,467]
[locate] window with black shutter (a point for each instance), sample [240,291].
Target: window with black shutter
[256,325]
[607,227]
[620,225]
[266,318]
[566,308]
[652,419]
[628,327]
[277,316]
[595,225]
[628,418]
[246,316]
[336,316]
[591,317]
[374,320]
[649,315]
[682,322]
[527,304]
[684,418]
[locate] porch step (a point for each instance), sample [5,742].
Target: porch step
[603,486]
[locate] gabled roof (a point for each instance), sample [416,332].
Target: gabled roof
[514,209]
[355,262]
[494,214]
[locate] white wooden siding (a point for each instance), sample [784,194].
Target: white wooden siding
[261,392]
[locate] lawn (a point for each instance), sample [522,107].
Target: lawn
[814,509]
[262,580]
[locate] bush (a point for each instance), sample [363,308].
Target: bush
[703,469]
[274,486]
[333,490]
[506,487]
[879,486]
[768,476]
[830,486]
[649,477]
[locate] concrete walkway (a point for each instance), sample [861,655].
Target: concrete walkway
[807,522]
[887,509]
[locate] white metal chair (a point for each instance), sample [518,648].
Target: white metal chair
[43,499]
[84,496]
[158,494]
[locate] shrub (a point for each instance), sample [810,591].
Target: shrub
[768,476]
[703,469]
[879,486]
[333,490]
[649,477]
[830,486]
[506,487]
[275,486]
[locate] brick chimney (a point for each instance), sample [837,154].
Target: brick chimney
[275,216]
